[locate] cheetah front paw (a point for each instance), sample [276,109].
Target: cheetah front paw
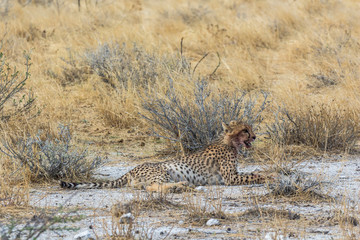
[181,187]
[177,187]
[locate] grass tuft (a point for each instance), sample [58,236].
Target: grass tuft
[295,183]
[271,213]
[200,208]
[157,202]
[324,127]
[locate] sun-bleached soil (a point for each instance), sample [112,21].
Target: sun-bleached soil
[276,218]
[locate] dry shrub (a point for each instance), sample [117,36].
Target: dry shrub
[13,99]
[15,109]
[291,183]
[327,127]
[48,157]
[288,180]
[118,65]
[126,72]
[192,117]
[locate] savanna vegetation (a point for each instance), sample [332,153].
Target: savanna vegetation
[79,78]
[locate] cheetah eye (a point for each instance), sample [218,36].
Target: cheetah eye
[246,131]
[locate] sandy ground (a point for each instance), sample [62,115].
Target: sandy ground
[307,219]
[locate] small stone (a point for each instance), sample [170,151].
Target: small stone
[127,218]
[212,222]
[181,222]
[200,189]
[83,235]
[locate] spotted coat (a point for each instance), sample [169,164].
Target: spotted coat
[215,165]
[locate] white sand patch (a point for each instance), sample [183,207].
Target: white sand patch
[341,175]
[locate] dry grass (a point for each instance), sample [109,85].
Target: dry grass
[149,202]
[125,223]
[323,127]
[267,213]
[301,51]
[14,186]
[204,206]
[305,54]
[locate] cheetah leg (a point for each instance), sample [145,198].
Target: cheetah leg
[176,187]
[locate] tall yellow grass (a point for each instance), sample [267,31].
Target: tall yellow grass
[277,46]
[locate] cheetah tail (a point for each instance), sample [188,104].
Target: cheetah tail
[118,183]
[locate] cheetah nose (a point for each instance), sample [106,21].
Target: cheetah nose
[253,137]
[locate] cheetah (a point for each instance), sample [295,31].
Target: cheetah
[214,165]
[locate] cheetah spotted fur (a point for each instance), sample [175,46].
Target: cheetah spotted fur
[215,165]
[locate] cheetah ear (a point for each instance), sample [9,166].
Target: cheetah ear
[225,127]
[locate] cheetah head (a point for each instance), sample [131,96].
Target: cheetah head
[238,134]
